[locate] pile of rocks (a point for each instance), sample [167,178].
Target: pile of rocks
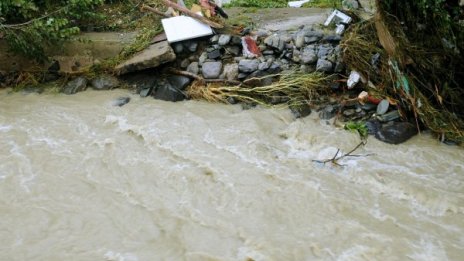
[223,56]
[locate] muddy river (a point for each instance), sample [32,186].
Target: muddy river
[81,179]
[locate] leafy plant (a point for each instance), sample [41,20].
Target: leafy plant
[31,26]
[359,127]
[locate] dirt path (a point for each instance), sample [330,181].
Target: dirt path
[280,19]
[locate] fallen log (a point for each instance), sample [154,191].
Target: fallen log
[153,10]
[193,15]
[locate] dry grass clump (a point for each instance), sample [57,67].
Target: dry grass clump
[296,88]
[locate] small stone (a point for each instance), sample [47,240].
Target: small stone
[231,71]
[301,111]
[214,39]
[324,66]
[145,91]
[77,85]
[236,41]
[264,66]
[191,46]
[179,82]
[311,39]
[178,48]
[383,106]
[296,56]
[350,4]
[121,101]
[193,68]
[391,116]
[275,41]
[248,66]
[184,63]
[242,76]
[268,52]
[328,112]
[203,58]
[231,100]
[396,132]
[274,68]
[308,56]
[299,40]
[224,39]
[104,82]
[211,70]
[166,92]
[349,112]
[324,50]
[214,54]
[233,50]
[373,126]
[332,38]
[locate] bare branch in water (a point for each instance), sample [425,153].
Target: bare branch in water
[334,160]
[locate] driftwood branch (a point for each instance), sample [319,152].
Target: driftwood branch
[153,10]
[187,74]
[192,14]
[334,160]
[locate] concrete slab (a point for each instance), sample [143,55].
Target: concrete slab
[153,56]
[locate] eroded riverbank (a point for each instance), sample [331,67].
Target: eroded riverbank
[81,179]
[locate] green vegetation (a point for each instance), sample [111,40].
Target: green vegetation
[257,3]
[420,65]
[359,127]
[324,3]
[30,26]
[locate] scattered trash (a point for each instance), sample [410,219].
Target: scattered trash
[297,4]
[340,20]
[182,28]
[391,116]
[354,79]
[383,106]
[250,48]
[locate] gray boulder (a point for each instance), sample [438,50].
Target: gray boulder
[308,56]
[193,68]
[166,92]
[396,132]
[224,39]
[324,66]
[230,71]
[121,101]
[211,70]
[104,82]
[179,82]
[275,41]
[248,66]
[325,50]
[77,85]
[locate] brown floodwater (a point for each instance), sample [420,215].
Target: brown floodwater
[81,179]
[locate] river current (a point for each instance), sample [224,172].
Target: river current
[81,179]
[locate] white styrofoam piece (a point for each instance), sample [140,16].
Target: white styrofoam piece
[337,14]
[297,4]
[180,28]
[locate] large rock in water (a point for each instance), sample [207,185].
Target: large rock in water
[77,85]
[155,55]
[105,82]
[396,132]
[167,92]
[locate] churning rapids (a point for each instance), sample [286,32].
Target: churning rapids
[81,179]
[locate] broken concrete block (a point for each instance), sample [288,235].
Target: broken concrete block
[155,55]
